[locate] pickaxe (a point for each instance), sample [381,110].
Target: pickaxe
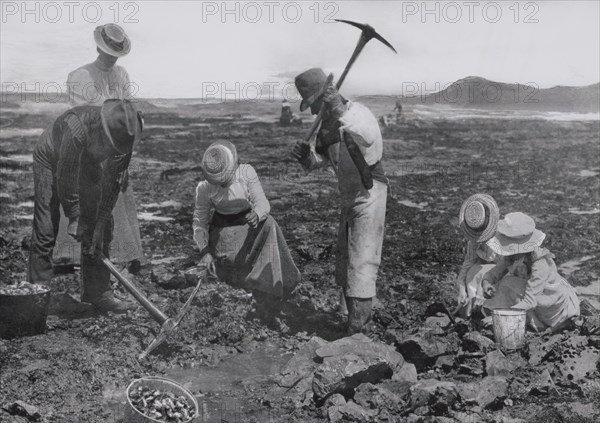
[167,325]
[368,32]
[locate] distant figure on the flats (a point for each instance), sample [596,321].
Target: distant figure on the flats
[288,117]
[92,84]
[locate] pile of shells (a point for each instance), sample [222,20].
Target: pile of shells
[161,405]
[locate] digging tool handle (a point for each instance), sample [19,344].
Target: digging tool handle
[158,315]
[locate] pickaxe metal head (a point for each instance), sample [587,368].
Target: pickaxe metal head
[368,32]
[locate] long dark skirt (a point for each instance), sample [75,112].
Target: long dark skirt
[254,258]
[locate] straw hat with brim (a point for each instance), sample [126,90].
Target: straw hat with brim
[111,39]
[122,123]
[220,162]
[516,234]
[311,85]
[478,217]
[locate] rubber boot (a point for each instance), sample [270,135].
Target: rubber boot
[359,314]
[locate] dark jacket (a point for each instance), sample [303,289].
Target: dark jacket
[70,147]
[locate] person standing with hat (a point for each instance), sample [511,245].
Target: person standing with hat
[92,84]
[80,163]
[528,277]
[241,240]
[350,140]
[478,219]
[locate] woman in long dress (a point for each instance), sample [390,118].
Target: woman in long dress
[234,230]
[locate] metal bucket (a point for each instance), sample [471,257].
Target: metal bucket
[132,415]
[509,327]
[25,314]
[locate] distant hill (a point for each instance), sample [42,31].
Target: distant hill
[476,92]
[479,93]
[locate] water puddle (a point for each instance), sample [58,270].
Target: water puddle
[233,373]
[573,265]
[163,205]
[167,260]
[24,205]
[574,210]
[408,203]
[19,158]
[6,133]
[152,217]
[588,173]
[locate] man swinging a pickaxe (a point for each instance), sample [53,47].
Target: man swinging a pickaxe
[350,140]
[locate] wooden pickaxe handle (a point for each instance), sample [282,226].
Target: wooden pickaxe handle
[158,315]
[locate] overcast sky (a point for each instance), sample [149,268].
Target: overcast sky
[190,49]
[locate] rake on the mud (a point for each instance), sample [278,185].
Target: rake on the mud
[167,325]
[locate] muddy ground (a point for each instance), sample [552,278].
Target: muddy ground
[224,352]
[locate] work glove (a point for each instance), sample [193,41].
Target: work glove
[334,101]
[95,248]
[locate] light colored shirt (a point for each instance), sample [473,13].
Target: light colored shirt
[93,83]
[359,123]
[245,192]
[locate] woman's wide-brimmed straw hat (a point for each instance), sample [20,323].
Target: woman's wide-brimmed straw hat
[516,234]
[219,163]
[478,217]
[112,40]
[311,85]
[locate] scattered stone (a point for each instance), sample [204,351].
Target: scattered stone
[407,374]
[363,347]
[541,384]
[475,341]
[21,408]
[295,379]
[497,364]
[489,393]
[436,394]
[467,417]
[473,369]
[594,341]
[445,362]
[575,367]
[423,347]
[335,399]
[375,397]
[538,350]
[341,374]
[349,412]
[437,324]
[403,306]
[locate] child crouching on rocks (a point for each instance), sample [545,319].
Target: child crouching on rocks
[528,277]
